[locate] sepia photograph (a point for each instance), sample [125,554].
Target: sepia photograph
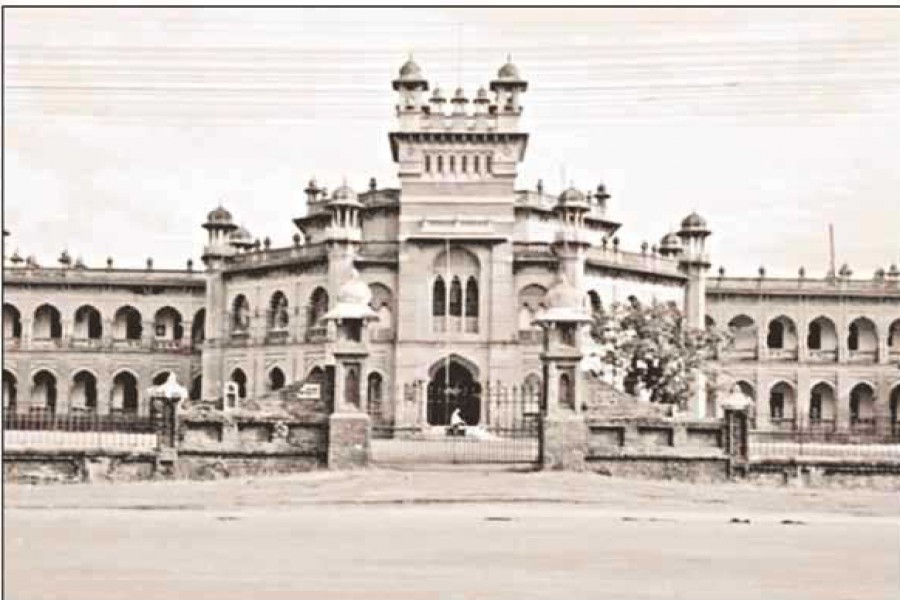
[451,303]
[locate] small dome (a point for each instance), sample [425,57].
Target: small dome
[437,95]
[219,215]
[482,94]
[410,70]
[893,271]
[241,237]
[563,295]
[693,221]
[459,95]
[344,195]
[509,71]
[670,241]
[355,291]
[573,197]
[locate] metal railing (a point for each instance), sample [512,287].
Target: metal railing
[876,438]
[41,430]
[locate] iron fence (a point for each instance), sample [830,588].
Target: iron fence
[47,431]
[875,439]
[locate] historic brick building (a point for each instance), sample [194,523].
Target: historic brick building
[458,261]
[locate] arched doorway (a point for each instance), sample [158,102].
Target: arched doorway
[10,391]
[44,391]
[453,386]
[895,409]
[125,397]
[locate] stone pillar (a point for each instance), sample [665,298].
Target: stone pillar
[564,442]
[348,440]
[801,401]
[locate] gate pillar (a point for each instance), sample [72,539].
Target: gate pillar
[564,431]
[349,426]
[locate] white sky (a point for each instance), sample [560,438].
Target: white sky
[124,127]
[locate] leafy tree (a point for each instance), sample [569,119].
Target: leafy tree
[650,347]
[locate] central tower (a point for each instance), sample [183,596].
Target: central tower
[457,159]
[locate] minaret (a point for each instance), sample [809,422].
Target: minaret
[349,424]
[409,86]
[507,87]
[220,225]
[694,263]
[564,323]
[571,243]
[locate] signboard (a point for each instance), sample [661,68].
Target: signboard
[310,391]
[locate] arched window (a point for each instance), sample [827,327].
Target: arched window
[127,324]
[566,395]
[47,323]
[821,403]
[373,395]
[125,393]
[276,379]
[240,379]
[452,164]
[43,394]
[84,392]
[318,306]
[10,391]
[595,303]
[88,324]
[198,327]
[894,336]
[196,388]
[439,298]
[814,339]
[862,337]
[240,314]
[743,330]
[476,165]
[454,302]
[427,163]
[781,402]
[489,164]
[167,324]
[351,384]
[278,311]
[862,404]
[440,164]
[12,322]
[472,297]
[775,339]
[464,164]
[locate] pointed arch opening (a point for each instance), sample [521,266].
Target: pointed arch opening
[44,392]
[47,323]
[744,341]
[781,339]
[374,396]
[125,397]
[862,340]
[12,322]
[277,379]
[88,325]
[240,315]
[198,328]
[10,391]
[279,316]
[453,386]
[83,397]
[822,405]
[196,388]
[127,324]
[862,406]
[239,378]
[167,324]
[471,305]
[782,404]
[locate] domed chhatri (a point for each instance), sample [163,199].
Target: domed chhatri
[573,197]
[345,195]
[410,70]
[241,238]
[353,301]
[509,71]
[694,222]
[219,215]
[670,241]
[565,304]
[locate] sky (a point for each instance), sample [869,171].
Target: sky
[125,126]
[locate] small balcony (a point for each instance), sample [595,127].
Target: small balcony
[277,336]
[823,356]
[863,356]
[782,354]
[171,345]
[317,334]
[86,343]
[46,343]
[127,344]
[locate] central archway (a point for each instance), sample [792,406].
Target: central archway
[453,385]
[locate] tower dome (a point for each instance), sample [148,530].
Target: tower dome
[565,304]
[693,222]
[344,195]
[353,300]
[241,238]
[410,70]
[509,72]
[219,215]
[573,197]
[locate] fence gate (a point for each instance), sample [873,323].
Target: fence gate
[464,422]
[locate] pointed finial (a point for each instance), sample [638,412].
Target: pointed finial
[509,57]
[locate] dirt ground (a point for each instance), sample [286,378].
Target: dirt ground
[449,535]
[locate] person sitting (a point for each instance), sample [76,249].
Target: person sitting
[457,424]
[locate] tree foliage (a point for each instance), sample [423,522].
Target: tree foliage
[650,347]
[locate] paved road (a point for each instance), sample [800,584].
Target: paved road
[447,552]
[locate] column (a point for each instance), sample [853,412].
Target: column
[801,405]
